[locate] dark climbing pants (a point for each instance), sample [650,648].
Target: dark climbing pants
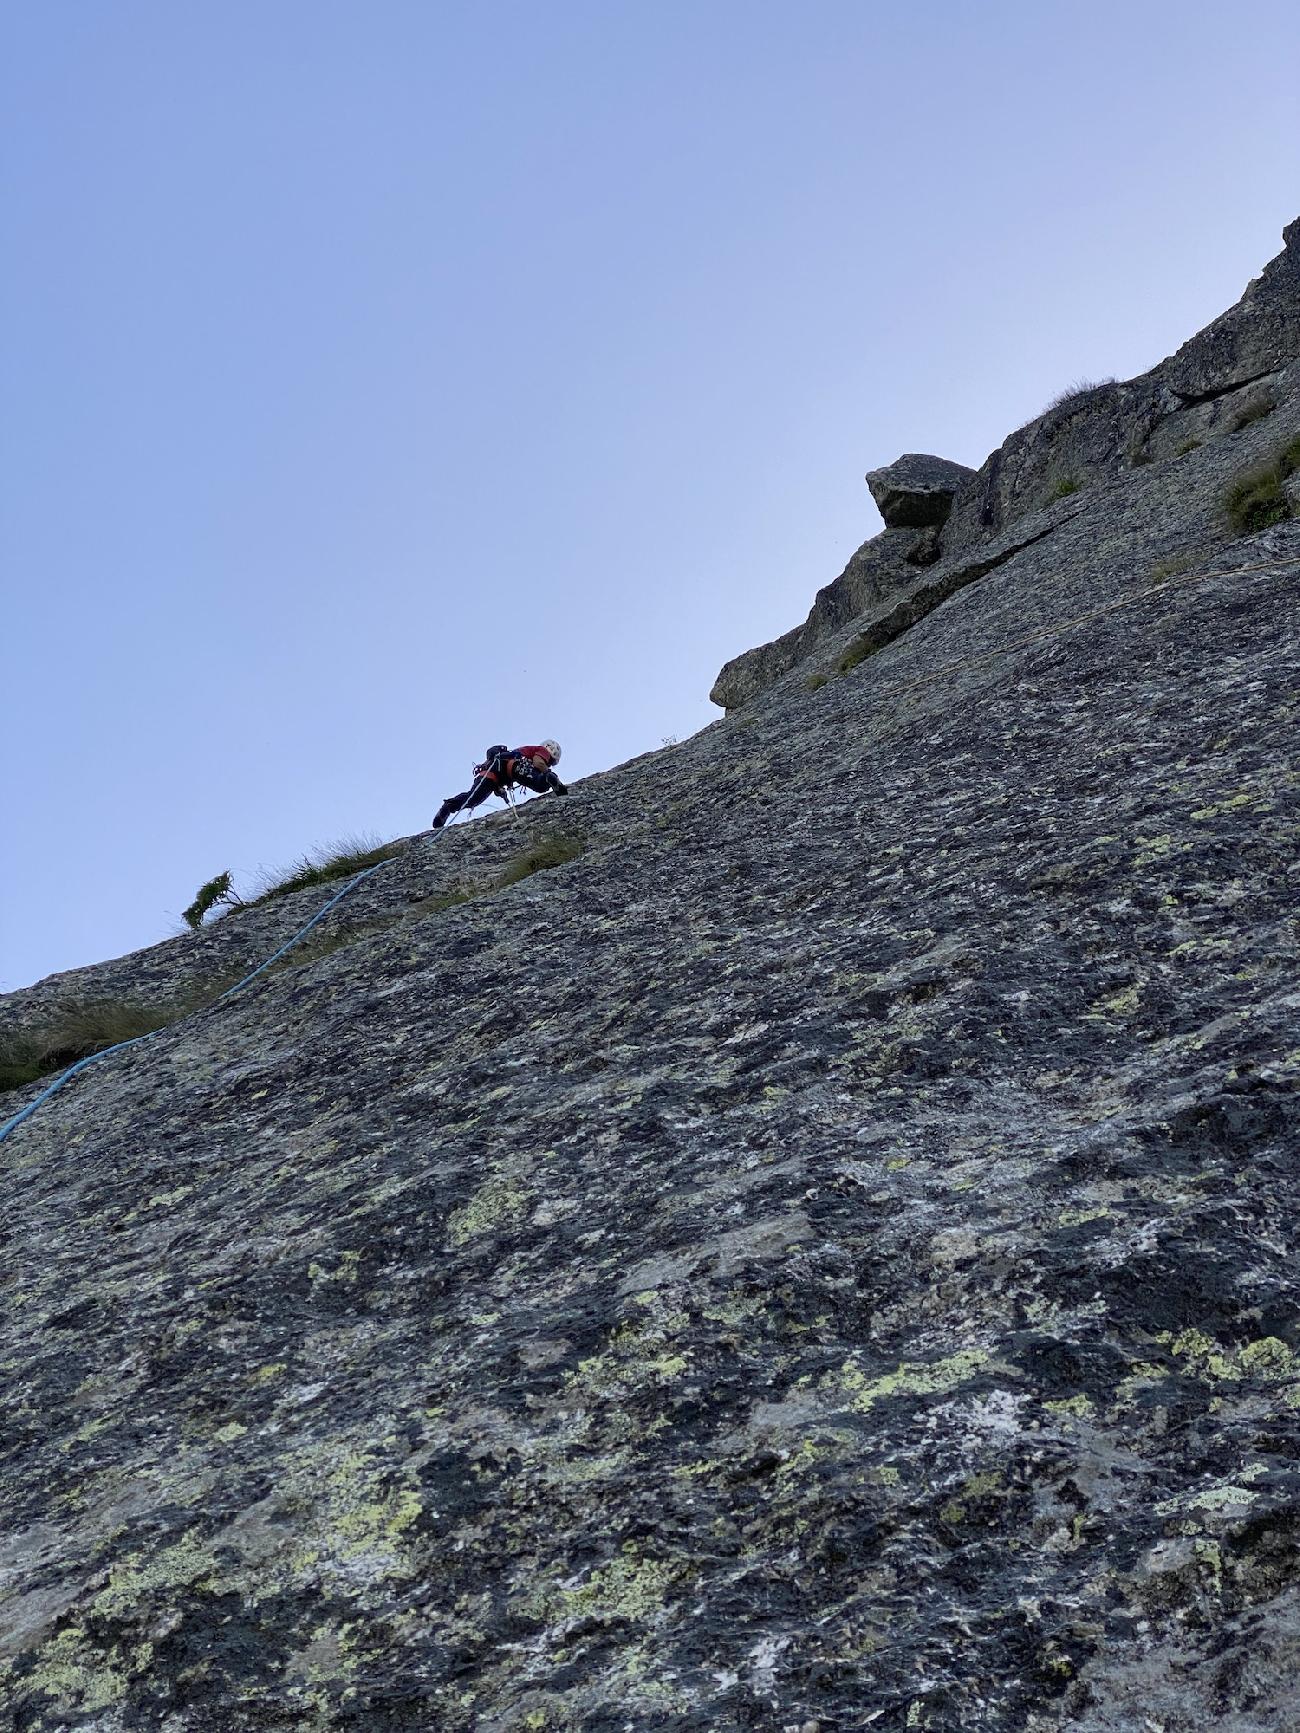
[472,797]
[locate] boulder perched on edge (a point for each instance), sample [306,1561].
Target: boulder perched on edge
[916,490]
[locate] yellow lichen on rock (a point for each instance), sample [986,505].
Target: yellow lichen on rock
[912,1378]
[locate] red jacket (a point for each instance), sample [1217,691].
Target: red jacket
[534,752]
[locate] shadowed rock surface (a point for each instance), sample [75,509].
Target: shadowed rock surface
[845,1277]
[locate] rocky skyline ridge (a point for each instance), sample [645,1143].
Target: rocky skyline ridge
[804,1264]
[1091,435]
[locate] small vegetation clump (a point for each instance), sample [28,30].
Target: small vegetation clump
[815,682]
[1080,388]
[79,1028]
[1187,446]
[435,905]
[858,651]
[1063,487]
[1258,499]
[216,892]
[1254,411]
[1139,456]
[342,860]
[550,851]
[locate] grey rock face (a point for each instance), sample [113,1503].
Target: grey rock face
[1248,342]
[878,573]
[1199,396]
[926,549]
[845,1277]
[916,491]
[1196,396]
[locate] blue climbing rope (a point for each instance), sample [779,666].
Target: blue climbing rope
[120,1046]
[301,934]
[66,1077]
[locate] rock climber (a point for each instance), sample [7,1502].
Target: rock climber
[502,769]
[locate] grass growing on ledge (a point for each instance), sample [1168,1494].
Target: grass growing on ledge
[435,905]
[82,1027]
[340,860]
[79,1028]
[1080,389]
[1066,485]
[550,851]
[858,651]
[1257,499]
[1254,411]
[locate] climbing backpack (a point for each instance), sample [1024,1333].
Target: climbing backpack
[497,769]
[494,764]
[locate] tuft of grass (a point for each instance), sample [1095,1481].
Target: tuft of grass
[340,860]
[1139,456]
[1187,446]
[1254,411]
[1063,487]
[1257,499]
[815,682]
[1080,388]
[82,1027]
[858,651]
[217,891]
[1173,567]
[550,851]
[436,904]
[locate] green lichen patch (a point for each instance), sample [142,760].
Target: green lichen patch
[77,1676]
[1267,1360]
[500,1202]
[187,1563]
[912,1379]
[1078,1407]
[979,1497]
[355,1510]
[631,1588]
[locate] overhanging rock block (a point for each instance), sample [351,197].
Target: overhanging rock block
[917,490]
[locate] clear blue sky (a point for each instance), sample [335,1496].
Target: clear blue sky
[384,379]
